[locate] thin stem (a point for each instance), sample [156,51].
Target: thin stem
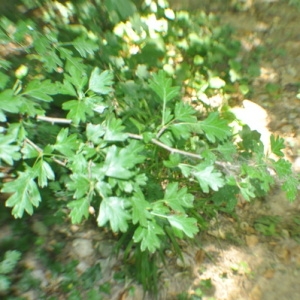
[174,150]
[164,112]
[162,145]
[54,120]
[40,151]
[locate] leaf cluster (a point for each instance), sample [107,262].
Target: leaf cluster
[98,117]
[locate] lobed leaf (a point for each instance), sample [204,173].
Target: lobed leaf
[140,209]
[277,144]
[184,112]
[177,199]
[80,184]
[162,86]
[65,143]
[79,209]
[94,133]
[184,224]
[208,177]
[228,150]
[8,152]
[113,210]
[85,46]
[119,162]
[101,83]
[214,128]
[9,262]
[114,130]
[41,90]
[71,59]
[78,109]
[43,172]
[282,167]
[148,236]
[9,103]
[290,186]
[25,194]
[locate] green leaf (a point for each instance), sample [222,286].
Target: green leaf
[148,236]
[184,112]
[78,109]
[277,144]
[9,103]
[94,133]
[247,190]
[114,164]
[8,152]
[148,136]
[162,86]
[265,180]
[226,195]
[208,156]
[44,172]
[101,82]
[66,144]
[208,177]
[114,131]
[140,209]
[79,209]
[80,184]
[25,194]
[112,210]
[290,186]
[29,151]
[77,77]
[9,262]
[250,138]
[4,79]
[66,88]
[228,150]
[4,283]
[181,130]
[118,162]
[30,107]
[184,224]
[41,90]
[282,167]
[43,47]
[173,162]
[177,199]
[185,169]
[214,128]
[72,60]
[85,46]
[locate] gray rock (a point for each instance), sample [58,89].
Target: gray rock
[82,248]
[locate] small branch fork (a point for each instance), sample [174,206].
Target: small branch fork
[130,135]
[39,150]
[170,149]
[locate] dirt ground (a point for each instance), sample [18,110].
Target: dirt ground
[240,260]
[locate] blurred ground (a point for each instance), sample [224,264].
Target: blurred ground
[252,258]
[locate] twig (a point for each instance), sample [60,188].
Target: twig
[39,150]
[54,120]
[174,150]
[170,149]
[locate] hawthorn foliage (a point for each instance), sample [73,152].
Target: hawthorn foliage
[99,106]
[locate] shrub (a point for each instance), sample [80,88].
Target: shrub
[100,106]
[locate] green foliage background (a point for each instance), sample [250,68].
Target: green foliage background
[99,108]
